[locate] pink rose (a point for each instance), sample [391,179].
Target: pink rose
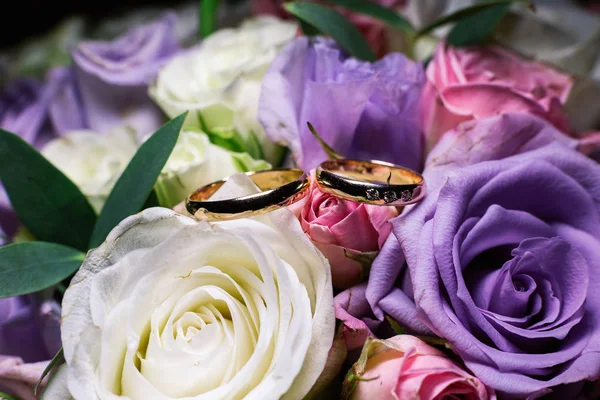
[478,82]
[373,30]
[19,378]
[404,367]
[344,231]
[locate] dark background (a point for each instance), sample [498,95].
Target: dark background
[24,19]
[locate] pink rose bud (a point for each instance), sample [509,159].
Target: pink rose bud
[19,378]
[349,234]
[404,367]
[477,82]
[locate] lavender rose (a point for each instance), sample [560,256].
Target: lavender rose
[509,275]
[29,337]
[362,110]
[113,77]
[29,328]
[24,107]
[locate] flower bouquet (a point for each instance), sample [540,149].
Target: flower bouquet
[337,199]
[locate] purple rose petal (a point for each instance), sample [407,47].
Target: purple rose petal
[362,110]
[503,256]
[113,77]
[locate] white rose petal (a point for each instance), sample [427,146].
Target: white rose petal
[169,308]
[219,82]
[195,162]
[93,161]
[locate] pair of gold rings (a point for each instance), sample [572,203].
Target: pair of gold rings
[372,182]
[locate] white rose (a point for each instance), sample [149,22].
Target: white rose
[195,162]
[171,308]
[93,161]
[219,82]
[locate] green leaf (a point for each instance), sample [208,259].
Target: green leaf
[461,14]
[374,10]
[334,24]
[151,201]
[51,206]
[395,326]
[58,359]
[476,28]
[6,396]
[308,29]
[245,163]
[435,341]
[32,266]
[135,184]
[208,17]
[364,259]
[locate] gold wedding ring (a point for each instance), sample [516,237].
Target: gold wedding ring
[280,188]
[373,182]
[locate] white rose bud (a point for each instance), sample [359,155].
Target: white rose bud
[219,82]
[93,161]
[170,308]
[195,162]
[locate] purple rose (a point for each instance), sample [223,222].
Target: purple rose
[360,109]
[113,77]
[24,110]
[509,275]
[66,108]
[24,106]
[29,328]
[107,87]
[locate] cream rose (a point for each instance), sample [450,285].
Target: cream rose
[93,161]
[195,162]
[172,308]
[219,82]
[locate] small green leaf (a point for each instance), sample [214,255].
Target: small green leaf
[51,206]
[435,341]
[465,13]
[365,259]
[58,359]
[374,10]
[334,24]
[395,326]
[208,17]
[6,396]
[331,153]
[476,28]
[245,163]
[135,184]
[32,266]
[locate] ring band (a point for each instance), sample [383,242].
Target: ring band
[281,187]
[372,182]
